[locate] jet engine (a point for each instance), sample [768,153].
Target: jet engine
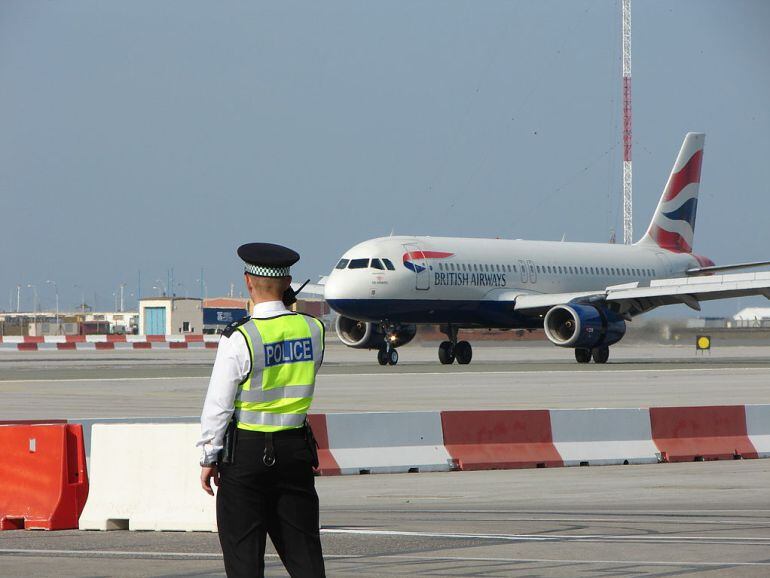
[365,335]
[583,326]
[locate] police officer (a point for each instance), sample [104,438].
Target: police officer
[260,392]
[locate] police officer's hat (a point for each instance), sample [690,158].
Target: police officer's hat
[267,259]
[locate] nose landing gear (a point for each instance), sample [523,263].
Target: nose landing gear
[449,351]
[387,354]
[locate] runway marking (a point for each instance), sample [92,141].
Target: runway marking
[217,556]
[549,371]
[619,520]
[552,537]
[413,374]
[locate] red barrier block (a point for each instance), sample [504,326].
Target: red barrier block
[34,339]
[104,345]
[26,346]
[116,338]
[685,434]
[193,338]
[212,345]
[496,440]
[44,478]
[141,345]
[75,338]
[155,338]
[327,465]
[66,346]
[177,345]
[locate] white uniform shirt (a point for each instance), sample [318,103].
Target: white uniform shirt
[231,367]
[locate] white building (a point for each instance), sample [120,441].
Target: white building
[752,317]
[170,316]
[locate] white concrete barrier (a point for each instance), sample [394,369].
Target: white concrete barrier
[387,442]
[603,436]
[146,477]
[758,427]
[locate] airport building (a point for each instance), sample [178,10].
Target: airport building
[170,315]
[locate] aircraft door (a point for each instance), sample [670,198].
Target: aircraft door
[416,261]
[532,272]
[523,269]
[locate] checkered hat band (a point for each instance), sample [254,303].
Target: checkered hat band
[267,271]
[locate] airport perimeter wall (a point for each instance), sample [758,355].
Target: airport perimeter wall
[144,472]
[108,342]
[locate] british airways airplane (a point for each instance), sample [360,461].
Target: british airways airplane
[581,294]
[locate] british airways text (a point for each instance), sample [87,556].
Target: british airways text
[477,279]
[291,351]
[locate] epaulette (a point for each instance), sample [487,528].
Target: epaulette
[234,325]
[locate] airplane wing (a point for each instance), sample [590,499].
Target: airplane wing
[639,297]
[311,290]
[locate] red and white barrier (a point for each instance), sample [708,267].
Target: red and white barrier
[758,428]
[147,477]
[489,440]
[144,476]
[387,442]
[685,434]
[107,342]
[603,436]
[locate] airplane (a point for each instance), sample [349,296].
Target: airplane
[581,294]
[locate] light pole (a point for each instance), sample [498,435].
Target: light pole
[122,302]
[56,291]
[18,298]
[34,304]
[204,288]
[160,285]
[82,298]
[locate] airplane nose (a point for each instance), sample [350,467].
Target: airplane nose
[333,287]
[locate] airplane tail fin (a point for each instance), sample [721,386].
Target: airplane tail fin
[673,225]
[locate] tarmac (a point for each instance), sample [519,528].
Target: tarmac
[699,519]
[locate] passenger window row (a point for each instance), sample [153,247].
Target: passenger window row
[584,270]
[477,268]
[552,269]
[380,264]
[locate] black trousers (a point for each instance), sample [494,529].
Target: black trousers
[255,500]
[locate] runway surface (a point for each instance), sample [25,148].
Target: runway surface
[93,384]
[700,519]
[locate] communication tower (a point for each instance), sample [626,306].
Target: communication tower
[628,221]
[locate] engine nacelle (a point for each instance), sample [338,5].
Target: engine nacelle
[583,326]
[365,335]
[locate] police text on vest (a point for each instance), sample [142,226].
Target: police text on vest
[290,351]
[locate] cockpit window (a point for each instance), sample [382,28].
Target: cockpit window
[377,264]
[388,265]
[358,264]
[342,264]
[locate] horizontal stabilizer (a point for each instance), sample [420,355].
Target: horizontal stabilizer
[719,268]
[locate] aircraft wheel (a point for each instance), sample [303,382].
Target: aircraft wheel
[601,354]
[582,355]
[463,352]
[382,356]
[393,357]
[446,354]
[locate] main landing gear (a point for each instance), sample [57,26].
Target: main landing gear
[599,354]
[452,350]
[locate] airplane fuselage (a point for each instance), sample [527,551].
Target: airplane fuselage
[472,282]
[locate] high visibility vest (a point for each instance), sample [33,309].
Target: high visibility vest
[286,353]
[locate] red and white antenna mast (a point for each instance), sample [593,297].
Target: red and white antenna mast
[628,221]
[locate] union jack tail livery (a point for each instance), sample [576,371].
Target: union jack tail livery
[673,225]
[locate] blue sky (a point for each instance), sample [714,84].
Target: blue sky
[149,135]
